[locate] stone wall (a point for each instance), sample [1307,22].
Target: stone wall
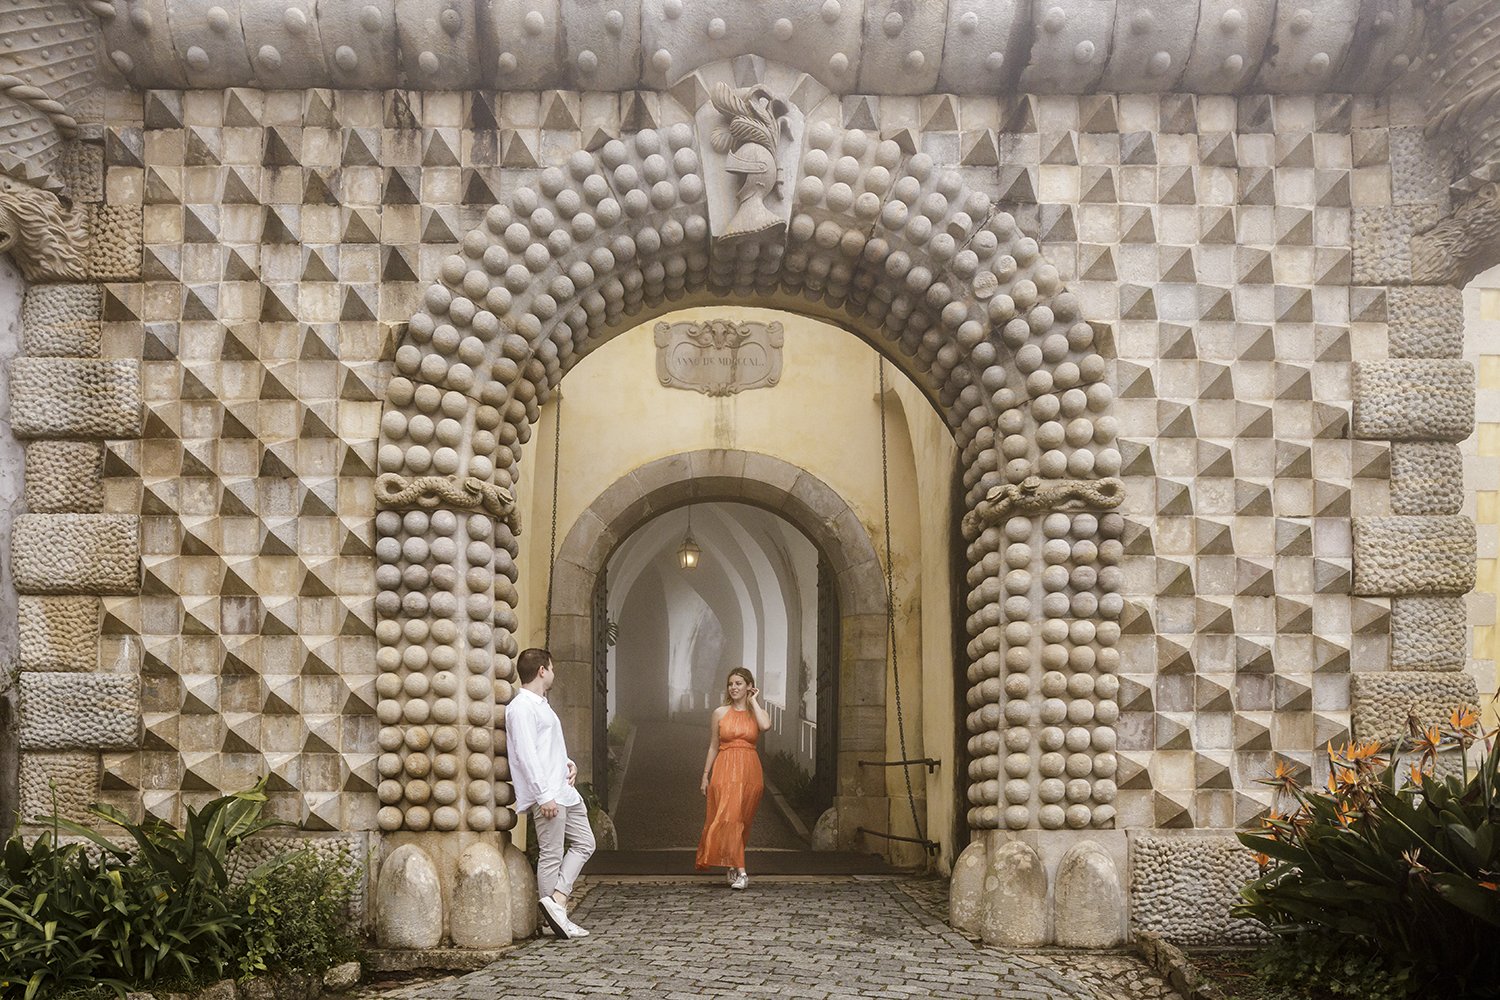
[1243,255]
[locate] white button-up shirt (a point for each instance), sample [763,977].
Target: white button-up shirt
[538,757]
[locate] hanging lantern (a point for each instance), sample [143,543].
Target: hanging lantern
[687,555]
[688,552]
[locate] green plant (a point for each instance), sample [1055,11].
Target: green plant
[1315,965]
[71,916]
[1374,866]
[297,915]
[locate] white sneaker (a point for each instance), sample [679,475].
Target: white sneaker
[556,915]
[574,931]
[741,881]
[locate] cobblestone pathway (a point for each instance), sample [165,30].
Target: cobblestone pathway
[861,937]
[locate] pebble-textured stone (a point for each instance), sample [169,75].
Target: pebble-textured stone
[1382,242]
[62,321]
[1414,555]
[115,243]
[62,711]
[1426,321]
[349,849]
[58,633]
[1413,400]
[1427,477]
[64,398]
[1182,888]
[76,553]
[64,784]
[64,476]
[1382,702]
[873,938]
[1429,633]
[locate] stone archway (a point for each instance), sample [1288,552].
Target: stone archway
[878,240]
[810,505]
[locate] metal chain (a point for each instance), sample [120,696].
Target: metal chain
[890,605]
[552,545]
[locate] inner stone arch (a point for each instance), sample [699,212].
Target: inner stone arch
[884,243]
[810,505]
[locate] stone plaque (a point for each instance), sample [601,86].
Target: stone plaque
[719,357]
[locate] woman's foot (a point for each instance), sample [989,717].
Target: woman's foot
[730,875]
[740,881]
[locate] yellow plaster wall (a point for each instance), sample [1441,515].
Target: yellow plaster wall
[823,416]
[1482,472]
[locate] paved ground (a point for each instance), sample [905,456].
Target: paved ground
[809,940]
[660,804]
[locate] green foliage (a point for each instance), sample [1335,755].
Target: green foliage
[1314,965]
[789,776]
[1408,873]
[296,915]
[74,917]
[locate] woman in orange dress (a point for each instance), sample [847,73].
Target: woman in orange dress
[732,777]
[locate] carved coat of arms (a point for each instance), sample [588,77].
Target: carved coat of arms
[755,139]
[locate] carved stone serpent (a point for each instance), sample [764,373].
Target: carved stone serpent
[395,491]
[1032,496]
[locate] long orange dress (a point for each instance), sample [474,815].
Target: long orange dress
[734,792]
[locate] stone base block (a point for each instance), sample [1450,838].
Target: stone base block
[1414,555]
[64,477]
[1429,633]
[77,711]
[1427,477]
[1182,888]
[1413,400]
[63,784]
[65,398]
[1426,321]
[76,553]
[58,633]
[1381,703]
[62,321]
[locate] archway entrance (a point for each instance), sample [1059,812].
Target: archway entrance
[871,236]
[805,454]
[669,637]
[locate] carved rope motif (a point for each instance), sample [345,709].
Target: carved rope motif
[394,491]
[1030,496]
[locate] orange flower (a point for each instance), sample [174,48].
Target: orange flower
[1491,886]
[1429,741]
[1284,778]
[1463,719]
[1364,751]
[1264,860]
[1416,775]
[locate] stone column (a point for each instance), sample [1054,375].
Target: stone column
[67,398]
[1420,397]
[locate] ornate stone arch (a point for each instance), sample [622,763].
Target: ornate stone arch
[883,242]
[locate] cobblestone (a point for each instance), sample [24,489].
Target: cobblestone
[810,939]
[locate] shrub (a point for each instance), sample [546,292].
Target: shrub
[75,917]
[296,915]
[1374,866]
[158,910]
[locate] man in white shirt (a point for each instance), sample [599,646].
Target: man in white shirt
[543,778]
